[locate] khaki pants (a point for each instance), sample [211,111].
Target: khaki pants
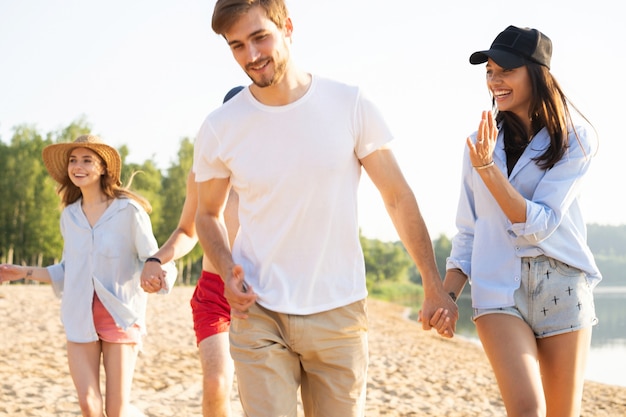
[324,353]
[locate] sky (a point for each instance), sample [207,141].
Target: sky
[145,73]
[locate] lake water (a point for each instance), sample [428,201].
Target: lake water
[607,358]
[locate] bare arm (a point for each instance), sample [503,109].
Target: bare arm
[231,216]
[454,282]
[10,272]
[400,202]
[181,241]
[184,237]
[213,237]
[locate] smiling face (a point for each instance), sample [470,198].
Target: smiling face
[260,47]
[85,168]
[510,88]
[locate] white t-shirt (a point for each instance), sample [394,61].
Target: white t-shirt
[296,169]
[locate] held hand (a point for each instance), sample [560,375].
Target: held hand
[481,152]
[10,272]
[441,322]
[239,294]
[152,284]
[152,277]
[441,313]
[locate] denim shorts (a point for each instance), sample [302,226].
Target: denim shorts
[553,298]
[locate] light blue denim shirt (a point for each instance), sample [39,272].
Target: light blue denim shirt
[488,248]
[106,258]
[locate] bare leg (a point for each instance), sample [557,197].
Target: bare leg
[563,359]
[511,348]
[84,364]
[119,367]
[217,372]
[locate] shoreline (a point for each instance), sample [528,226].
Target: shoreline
[411,373]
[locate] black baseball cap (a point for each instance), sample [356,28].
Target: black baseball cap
[232,93]
[514,47]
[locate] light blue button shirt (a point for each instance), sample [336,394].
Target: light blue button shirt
[106,258]
[488,248]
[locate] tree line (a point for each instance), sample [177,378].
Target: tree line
[30,207]
[30,211]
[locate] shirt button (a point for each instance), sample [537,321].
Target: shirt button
[516,278]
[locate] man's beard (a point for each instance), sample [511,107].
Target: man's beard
[279,71]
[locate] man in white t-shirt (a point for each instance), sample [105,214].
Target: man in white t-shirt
[292,145]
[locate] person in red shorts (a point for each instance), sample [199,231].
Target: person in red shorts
[211,311]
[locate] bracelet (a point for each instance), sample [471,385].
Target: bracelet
[485,166]
[153,259]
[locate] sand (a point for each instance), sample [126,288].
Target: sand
[412,372]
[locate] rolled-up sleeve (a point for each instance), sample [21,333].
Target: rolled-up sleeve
[553,197]
[57,276]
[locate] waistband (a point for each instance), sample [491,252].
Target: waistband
[210,275]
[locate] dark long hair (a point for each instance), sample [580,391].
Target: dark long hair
[548,108]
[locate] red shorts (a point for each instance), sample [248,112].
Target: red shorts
[211,311]
[107,329]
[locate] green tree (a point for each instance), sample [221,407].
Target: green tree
[174,188]
[146,180]
[29,204]
[174,192]
[442,247]
[387,266]
[385,261]
[607,240]
[78,127]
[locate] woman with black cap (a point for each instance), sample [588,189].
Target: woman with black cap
[521,237]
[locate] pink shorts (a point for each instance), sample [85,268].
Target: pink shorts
[211,311]
[107,329]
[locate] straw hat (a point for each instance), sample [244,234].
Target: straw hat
[56,157]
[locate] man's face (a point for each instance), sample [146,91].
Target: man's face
[260,47]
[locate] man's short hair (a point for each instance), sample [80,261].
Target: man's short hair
[226,12]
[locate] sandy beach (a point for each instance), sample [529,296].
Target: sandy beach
[412,372]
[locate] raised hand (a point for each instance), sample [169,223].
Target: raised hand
[481,151]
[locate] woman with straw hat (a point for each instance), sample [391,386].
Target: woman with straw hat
[107,238]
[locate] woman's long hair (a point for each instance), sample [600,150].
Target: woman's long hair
[70,193]
[549,109]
